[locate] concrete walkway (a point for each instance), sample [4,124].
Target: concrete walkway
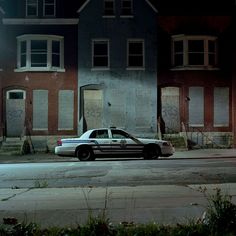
[71,206]
[50,157]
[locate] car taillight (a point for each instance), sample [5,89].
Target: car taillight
[59,142]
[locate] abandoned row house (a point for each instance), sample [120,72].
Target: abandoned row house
[65,68]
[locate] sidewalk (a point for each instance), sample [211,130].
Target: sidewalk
[165,204]
[50,157]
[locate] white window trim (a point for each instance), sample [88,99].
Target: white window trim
[114,9]
[54,4]
[26,10]
[49,39]
[127,55]
[185,39]
[94,68]
[132,10]
[16,91]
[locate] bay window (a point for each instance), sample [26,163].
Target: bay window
[194,51]
[40,53]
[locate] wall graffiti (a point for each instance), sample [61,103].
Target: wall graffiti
[170,115]
[14,114]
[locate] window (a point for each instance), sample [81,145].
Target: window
[16,94]
[126,7]
[65,110]
[119,134]
[196,106]
[109,8]
[135,53]
[40,109]
[31,7]
[194,51]
[99,134]
[49,8]
[40,53]
[100,54]
[221,107]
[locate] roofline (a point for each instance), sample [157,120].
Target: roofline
[2,11]
[151,5]
[87,1]
[83,6]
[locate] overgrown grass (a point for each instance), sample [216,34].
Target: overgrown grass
[219,220]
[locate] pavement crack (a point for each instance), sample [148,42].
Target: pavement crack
[14,195]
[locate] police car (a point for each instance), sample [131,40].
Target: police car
[112,142]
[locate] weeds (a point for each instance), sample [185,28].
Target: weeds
[220,213]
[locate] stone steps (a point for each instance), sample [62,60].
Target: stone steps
[11,146]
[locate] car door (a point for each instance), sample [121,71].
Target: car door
[101,141]
[122,143]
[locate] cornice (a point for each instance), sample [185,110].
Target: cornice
[56,21]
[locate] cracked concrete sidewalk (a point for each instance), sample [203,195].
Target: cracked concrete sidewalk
[71,206]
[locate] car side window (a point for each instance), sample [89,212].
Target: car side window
[119,134]
[99,134]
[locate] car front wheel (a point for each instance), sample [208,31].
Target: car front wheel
[151,152]
[85,154]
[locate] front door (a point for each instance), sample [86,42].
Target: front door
[15,112]
[170,109]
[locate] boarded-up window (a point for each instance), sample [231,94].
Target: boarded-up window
[40,109]
[66,110]
[221,106]
[196,106]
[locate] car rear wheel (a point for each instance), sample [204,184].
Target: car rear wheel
[85,154]
[151,152]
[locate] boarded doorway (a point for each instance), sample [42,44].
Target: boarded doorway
[93,108]
[15,112]
[170,109]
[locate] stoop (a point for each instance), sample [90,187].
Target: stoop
[12,146]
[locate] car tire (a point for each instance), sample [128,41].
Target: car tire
[85,154]
[151,152]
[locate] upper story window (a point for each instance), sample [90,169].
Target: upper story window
[31,7]
[40,53]
[35,9]
[194,51]
[49,7]
[126,7]
[100,54]
[109,8]
[135,53]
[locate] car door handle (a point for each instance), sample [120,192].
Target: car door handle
[114,141]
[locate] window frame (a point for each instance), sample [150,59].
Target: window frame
[49,39]
[206,52]
[27,4]
[122,9]
[107,67]
[54,8]
[143,54]
[104,9]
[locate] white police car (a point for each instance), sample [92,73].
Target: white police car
[112,142]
